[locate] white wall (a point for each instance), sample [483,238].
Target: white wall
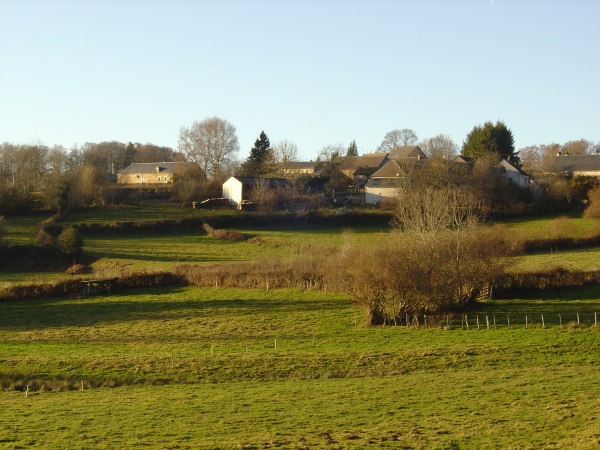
[232,190]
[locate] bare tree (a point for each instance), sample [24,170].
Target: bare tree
[439,260]
[440,147]
[285,151]
[397,138]
[210,143]
[263,196]
[329,152]
[408,136]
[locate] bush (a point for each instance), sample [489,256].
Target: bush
[223,235]
[593,209]
[70,243]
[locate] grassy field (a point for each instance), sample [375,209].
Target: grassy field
[21,230]
[136,252]
[253,369]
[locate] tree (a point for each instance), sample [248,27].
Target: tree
[397,138]
[491,138]
[148,153]
[108,157]
[593,209]
[188,185]
[284,152]
[261,160]
[580,147]
[330,152]
[438,261]
[211,144]
[352,149]
[70,243]
[439,147]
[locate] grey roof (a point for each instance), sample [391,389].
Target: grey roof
[577,163]
[391,170]
[272,182]
[302,164]
[163,167]
[411,151]
[351,163]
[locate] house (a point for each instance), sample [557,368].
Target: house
[407,153]
[299,168]
[384,183]
[508,170]
[153,173]
[582,165]
[237,189]
[514,174]
[359,168]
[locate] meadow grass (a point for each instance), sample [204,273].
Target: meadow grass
[255,369]
[476,408]
[553,225]
[20,230]
[584,259]
[146,210]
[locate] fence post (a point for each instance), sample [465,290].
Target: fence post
[508,320]
[577,319]
[559,319]
[478,321]
[525,320]
[467,321]
[543,323]
[487,322]
[494,321]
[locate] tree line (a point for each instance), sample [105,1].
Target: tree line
[36,176]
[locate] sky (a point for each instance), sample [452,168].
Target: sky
[313,72]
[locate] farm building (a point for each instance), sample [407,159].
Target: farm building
[583,165]
[237,189]
[153,173]
[298,168]
[383,184]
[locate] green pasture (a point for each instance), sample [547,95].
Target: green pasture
[208,368]
[20,230]
[146,210]
[553,226]
[584,259]
[164,252]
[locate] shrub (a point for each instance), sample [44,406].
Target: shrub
[223,235]
[593,209]
[70,243]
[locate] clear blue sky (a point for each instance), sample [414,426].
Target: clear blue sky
[313,72]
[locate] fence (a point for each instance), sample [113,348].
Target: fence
[501,319]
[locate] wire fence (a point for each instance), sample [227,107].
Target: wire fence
[500,319]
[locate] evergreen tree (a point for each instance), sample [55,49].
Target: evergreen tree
[261,161]
[352,149]
[491,138]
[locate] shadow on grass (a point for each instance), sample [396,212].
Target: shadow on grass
[27,315]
